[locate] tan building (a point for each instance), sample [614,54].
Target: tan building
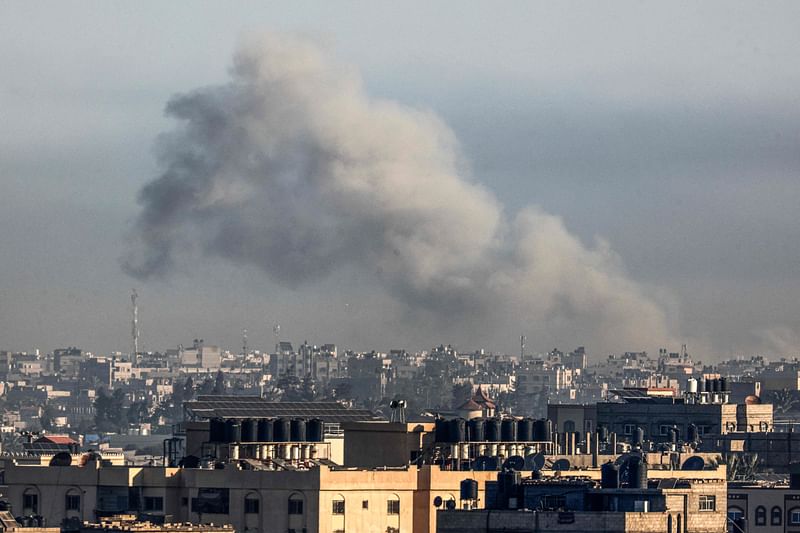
[316,499]
[766,507]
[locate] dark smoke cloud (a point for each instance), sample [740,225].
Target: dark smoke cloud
[293,168]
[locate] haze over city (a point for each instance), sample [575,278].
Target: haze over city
[618,176]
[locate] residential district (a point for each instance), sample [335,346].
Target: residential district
[310,438]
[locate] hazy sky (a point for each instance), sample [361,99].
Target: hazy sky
[669,130]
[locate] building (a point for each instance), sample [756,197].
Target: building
[658,415]
[765,507]
[679,501]
[320,498]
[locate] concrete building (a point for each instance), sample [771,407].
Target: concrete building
[316,499]
[766,507]
[685,502]
[656,416]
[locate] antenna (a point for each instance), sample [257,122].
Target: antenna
[244,347]
[135,326]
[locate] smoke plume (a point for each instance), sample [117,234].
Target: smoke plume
[291,167]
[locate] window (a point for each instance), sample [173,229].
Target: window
[338,507]
[251,505]
[794,516]
[393,507]
[30,502]
[569,426]
[629,429]
[295,505]
[365,504]
[734,513]
[153,503]
[213,501]
[73,502]
[552,501]
[708,503]
[761,516]
[776,516]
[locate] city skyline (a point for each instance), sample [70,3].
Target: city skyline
[662,166]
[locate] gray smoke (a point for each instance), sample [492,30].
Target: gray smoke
[290,166]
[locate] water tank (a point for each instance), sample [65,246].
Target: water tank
[602,434]
[265,431]
[708,385]
[249,430]
[469,489]
[216,430]
[493,429]
[673,435]
[691,386]
[282,430]
[458,430]
[315,430]
[441,430]
[508,430]
[476,430]
[609,476]
[714,385]
[298,430]
[637,473]
[525,430]
[233,430]
[692,434]
[638,436]
[723,384]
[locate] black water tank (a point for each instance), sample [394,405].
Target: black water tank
[282,430]
[469,489]
[298,430]
[709,385]
[637,473]
[458,430]
[315,430]
[714,385]
[233,430]
[525,430]
[266,430]
[441,430]
[692,434]
[493,429]
[673,435]
[508,430]
[250,430]
[216,430]
[540,433]
[723,384]
[476,430]
[609,476]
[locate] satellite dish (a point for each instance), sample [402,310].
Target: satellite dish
[61,459]
[694,462]
[437,502]
[515,462]
[561,465]
[534,461]
[393,404]
[485,463]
